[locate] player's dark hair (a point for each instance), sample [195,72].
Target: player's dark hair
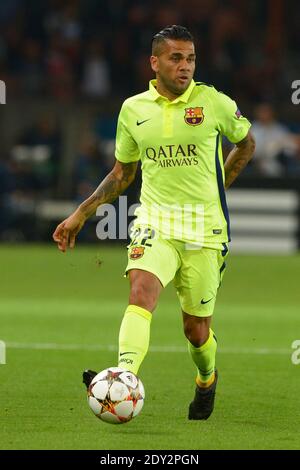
[175,32]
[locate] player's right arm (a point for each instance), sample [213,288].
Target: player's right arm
[114,184]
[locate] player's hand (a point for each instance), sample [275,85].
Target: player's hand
[65,233]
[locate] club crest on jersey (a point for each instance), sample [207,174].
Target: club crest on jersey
[136,252]
[194,116]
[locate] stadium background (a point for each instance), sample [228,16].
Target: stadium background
[67,66]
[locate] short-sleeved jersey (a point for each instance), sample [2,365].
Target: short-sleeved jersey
[179,145]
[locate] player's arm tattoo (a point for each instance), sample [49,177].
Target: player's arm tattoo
[110,188]
[238,158]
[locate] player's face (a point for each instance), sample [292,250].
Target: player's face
[174,67]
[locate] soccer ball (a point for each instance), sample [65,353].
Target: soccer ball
[116,395]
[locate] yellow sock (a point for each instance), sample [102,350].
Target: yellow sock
[205,357]
[134,337]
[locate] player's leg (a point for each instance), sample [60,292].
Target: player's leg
[197,283]
[152,264]
[202,347]
[134,335]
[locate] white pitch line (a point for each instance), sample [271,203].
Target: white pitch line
[159,349]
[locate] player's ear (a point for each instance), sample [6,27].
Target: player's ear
[154,63]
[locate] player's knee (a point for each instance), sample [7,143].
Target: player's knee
[145,289]
[196,331]
[143,296]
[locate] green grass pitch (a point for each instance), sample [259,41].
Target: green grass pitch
[60,313]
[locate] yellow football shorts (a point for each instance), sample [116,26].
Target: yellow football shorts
[197,273]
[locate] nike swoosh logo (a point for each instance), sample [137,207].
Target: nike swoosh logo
[206,301]
[142,122]
[127,352]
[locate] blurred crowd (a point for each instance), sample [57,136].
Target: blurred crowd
[100,48]
[97,51]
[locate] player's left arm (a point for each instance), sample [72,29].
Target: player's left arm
[238,158]
[233,125]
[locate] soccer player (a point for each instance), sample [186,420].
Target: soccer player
[181,231]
